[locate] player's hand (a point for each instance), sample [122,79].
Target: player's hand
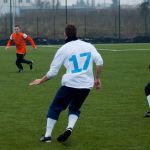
[35,82]
[35,48]
[6,48]
[97,84]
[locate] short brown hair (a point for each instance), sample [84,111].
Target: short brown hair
[17,25]
[71,30]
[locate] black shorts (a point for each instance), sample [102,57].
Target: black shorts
[67,97]
[147,89]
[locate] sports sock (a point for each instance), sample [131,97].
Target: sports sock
[50,126]
[148,99]
[72,119]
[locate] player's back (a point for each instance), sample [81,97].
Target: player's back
[79,57]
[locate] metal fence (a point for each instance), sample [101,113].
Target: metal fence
[117,21]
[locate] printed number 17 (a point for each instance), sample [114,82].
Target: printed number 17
[75,62]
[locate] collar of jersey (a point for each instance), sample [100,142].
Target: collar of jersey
[69,39]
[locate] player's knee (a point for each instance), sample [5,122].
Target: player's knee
[54,112]
[18,61]
[74,111]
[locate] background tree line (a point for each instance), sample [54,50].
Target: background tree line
[48,21]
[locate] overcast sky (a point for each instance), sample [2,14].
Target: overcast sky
[130,2]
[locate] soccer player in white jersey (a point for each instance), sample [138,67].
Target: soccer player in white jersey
[77,56]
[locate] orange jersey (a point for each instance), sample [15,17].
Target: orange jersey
[20,42]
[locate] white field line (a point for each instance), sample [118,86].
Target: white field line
[112,50]
[50,45]
[123,50]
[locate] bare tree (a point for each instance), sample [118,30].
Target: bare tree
[81,3]
[115,12]
[115,3]
[87,3]
[42,4]
[58,4]
[145,12]
[1,9]
[93,3]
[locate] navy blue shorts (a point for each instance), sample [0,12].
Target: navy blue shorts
[147,89]
[67,97]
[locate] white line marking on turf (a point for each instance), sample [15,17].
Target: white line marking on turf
[111,50]
[123,50]
[50,45]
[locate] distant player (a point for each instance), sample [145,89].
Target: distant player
[147,93]
[77,56]
[19,39]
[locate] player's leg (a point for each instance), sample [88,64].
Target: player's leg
[74,107]
[79,96]
[147,93]
[60,102]
[29,62]
[18,62]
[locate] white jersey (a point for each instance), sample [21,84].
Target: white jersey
[77,57]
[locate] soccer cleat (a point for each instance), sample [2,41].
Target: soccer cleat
[63,137]
[20,70]
[45,139]
[147,114]
[31,65]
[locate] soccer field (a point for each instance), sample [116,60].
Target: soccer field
[111,119]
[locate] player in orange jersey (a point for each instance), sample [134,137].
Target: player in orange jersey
[19,39]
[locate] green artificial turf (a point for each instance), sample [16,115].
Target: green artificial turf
[111,119]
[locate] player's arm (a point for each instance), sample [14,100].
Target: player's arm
[39,81]
[99,65]
[54,68]
[28,38]
[9,43]
[97,77]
